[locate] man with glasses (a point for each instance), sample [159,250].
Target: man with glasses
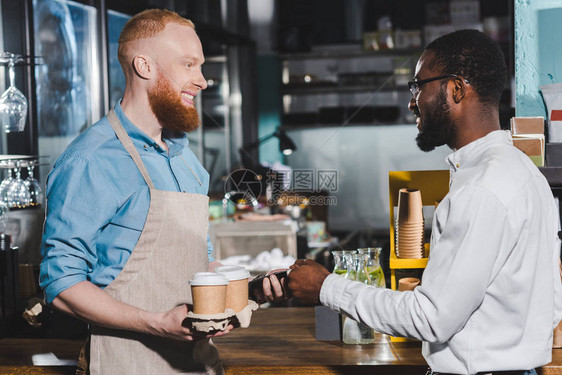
[491,293]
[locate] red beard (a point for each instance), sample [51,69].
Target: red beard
[169,110]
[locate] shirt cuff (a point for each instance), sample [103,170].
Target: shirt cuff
[331,293]
[52,290]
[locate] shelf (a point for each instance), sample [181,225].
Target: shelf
[326,54]
[311,90]
[6,57]
[18,157]
[434,185]
[404,263]
[216,59]
[289,127]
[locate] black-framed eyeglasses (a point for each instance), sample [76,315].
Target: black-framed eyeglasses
[415,85]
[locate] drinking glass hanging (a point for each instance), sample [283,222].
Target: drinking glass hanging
[4,186]
[13,104]
[18,195]
[35,192]
[6,182]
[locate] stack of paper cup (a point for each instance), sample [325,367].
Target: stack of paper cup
[237,289]
[209,293]
[410,224]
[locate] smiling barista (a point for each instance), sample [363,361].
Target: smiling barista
[127,213]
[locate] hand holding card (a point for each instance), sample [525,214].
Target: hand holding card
[265,288]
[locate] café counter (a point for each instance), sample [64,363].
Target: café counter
[279,341]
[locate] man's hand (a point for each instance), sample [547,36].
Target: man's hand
[306,279]
[88,302]
[174,324]
[273,289]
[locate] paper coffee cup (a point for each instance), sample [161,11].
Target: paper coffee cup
[408,283]
[410,206]
[237,289]
[209,293]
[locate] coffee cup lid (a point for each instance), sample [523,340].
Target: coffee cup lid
[208,278]
[233,272]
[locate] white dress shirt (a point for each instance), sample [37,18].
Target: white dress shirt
[491,293]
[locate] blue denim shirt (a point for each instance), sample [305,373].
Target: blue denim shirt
[97,202]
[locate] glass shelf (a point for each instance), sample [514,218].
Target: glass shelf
[10,161]
[288,127]
[334,89]
[332,81]
[5,58]
[345,54]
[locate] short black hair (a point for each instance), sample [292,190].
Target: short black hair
[474,56]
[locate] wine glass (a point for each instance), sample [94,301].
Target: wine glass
[5,185]
[3,216]
[18,195]
[33,186]
[13,104]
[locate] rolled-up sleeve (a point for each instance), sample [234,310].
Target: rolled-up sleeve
[80,203]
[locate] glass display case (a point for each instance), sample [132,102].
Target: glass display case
[68,82]
[115,23]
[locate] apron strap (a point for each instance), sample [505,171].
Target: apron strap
[128,144]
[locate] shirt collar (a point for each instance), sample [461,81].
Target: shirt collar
[141,140]
[469,154]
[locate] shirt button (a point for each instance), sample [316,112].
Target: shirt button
[145,146]
[458,165]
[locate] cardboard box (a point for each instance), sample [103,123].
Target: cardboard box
[527,125]
[528,136]
[532,146]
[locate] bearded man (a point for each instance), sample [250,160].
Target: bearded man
[127,213]
[491,294]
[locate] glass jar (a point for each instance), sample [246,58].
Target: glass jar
[355,332]
[339,266]
[349,261]
[372,273]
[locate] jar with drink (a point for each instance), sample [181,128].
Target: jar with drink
[363,266]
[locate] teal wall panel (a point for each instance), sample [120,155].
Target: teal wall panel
[269,106]
[538,52]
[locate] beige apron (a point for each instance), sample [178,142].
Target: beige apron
[171,248]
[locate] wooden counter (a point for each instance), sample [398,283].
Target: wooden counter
[280,341]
